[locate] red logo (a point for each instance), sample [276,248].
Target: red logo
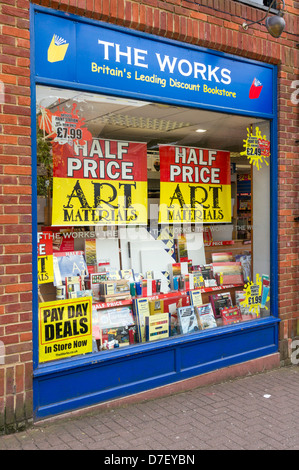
[255,89]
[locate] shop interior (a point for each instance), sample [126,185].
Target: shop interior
[174,272]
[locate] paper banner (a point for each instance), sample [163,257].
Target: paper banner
[194,185]
[65,328]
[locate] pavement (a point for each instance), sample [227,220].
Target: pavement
[256,412]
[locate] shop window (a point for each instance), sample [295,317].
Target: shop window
[153,221]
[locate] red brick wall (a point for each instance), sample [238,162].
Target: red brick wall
[215,24]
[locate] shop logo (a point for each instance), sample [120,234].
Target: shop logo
[57,49]
[255,89]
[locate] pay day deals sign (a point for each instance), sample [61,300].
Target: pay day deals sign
[194,185]
[65,328]
[99,182]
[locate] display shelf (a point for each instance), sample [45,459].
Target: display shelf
[115,303]
[220,243]
[169,295]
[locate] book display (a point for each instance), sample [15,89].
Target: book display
[131,307]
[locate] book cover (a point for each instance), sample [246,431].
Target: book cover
[156,306]
[220,301]
[245,261]
[114,287]
[157,326]
[90,252]
[187,319]
[115,317]
[196,298]
[141,311]
[229,272]
[206,271]
[205,316]
[227,267]
[123,336]
[231,315]
[73,285]
[222,257]
[70,264]
[198,280]
[93,283]
[83,293]
[127,274]
[113,274]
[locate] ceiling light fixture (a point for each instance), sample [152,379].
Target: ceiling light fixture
[201,130]
[274,24]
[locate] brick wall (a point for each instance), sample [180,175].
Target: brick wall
[15,215]
[215,24]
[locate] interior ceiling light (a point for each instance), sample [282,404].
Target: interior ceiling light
[201,130]
[274,24]
[142,123]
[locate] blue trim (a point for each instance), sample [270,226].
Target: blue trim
[34,194]
[87,364]
[274,207]
[141,367]
[105,357]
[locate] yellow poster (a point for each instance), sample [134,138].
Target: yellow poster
[65,328]
[45,269]
[98,202]
[99,182]
[180,202]
[195,185]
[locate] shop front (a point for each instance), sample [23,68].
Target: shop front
[154,211]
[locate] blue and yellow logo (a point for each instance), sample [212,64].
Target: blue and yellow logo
[57,49]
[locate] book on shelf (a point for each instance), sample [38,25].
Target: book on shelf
[187,319]
[208,275]
[205,316]
[73,284]
[222,257]
[220,301]
[127,274]
[114,324]
[245,261]
[196,298]
[93,283]
[198,280]
[114,287]
[231,315]
[68,264]
[82,293]
[241,297]
[229,272]
[157,326]
[206,271]
[123,336]
[141,312]
[113,274]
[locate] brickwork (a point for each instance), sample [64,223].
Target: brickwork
[215,24]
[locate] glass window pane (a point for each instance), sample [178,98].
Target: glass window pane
[153,221]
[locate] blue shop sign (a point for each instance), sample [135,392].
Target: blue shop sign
[112,59]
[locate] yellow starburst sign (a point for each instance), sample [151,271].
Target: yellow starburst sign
[257,148]
[256,295]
